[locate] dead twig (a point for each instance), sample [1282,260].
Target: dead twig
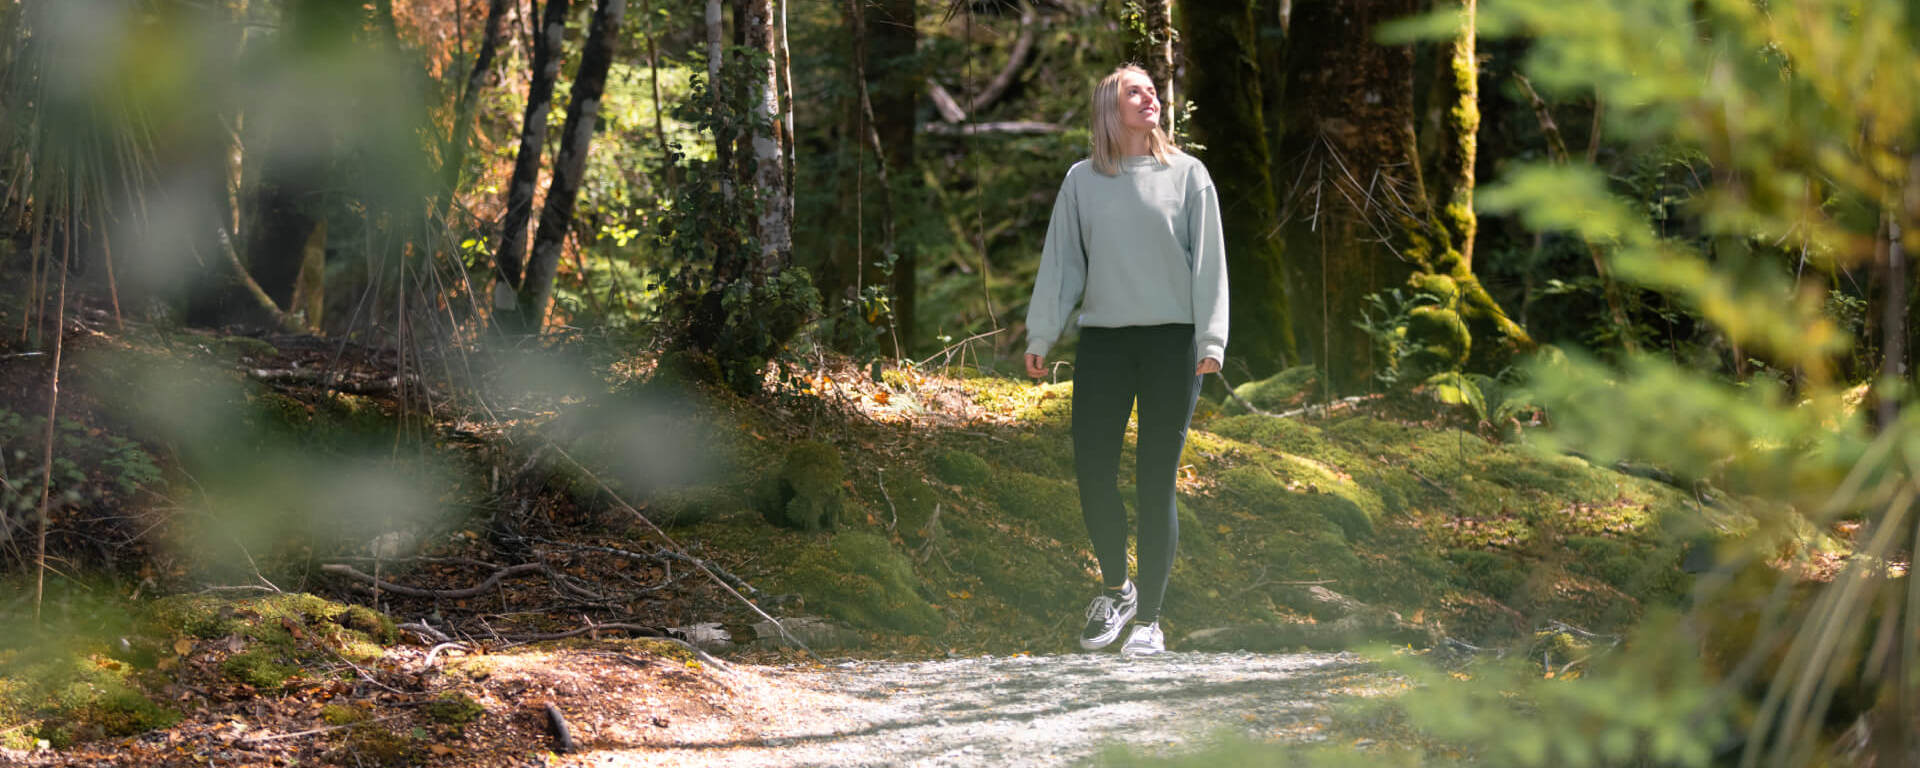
[451,645]
[1241,400]
[638,629]
[316,731]
[882,482]
[440,594]
[675,546]
[422,629]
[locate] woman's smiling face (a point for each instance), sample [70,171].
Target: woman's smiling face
[1139,103]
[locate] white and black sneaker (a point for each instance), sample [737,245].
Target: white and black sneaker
[1107,615]
[1146,640]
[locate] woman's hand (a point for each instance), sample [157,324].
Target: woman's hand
[1207,365]
[1036,365]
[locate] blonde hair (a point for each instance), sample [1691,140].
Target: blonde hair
[1106,124]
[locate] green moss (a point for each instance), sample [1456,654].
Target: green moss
[342,714]
[1439,340]
[370,744]
[1440,288]
[455,709]
[808,494]
[69,694]
[273,650]
[859,578]
[1045,405]
[913,502]
[961,468]
[1290,388]
[1051,507]
[1497,575]
[262,668]
[689,506]
[1288,435]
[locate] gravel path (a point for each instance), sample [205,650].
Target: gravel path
[1028,711]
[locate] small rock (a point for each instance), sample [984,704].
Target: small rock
[707,636]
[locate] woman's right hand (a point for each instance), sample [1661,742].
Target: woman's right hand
[1036,365]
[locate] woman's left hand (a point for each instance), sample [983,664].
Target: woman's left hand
[1207,365]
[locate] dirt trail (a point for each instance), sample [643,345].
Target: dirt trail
[1005,711]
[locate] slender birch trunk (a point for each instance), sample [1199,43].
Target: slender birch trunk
[509,261]
[570,165]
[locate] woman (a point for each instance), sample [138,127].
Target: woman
[1135,241]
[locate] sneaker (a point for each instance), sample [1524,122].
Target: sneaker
[1146,640]
[1107,615]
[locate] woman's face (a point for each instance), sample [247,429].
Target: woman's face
[1139,104]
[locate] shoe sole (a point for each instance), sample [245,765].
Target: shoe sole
[1106,639]
[1134,654]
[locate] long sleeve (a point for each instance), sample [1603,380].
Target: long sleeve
[1209,246]
[1063,273]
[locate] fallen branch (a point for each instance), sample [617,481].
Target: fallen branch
[352,385]
[424,630]
[949,107]
[638,629]
[442,594]
[1004,126]
[562,735]
[446,646]
[660,556]
[676,546]
[1238,399]
[314,731]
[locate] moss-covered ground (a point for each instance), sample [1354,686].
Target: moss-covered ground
[968,534]
[100,667]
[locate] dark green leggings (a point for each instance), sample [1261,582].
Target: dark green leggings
[1114,367]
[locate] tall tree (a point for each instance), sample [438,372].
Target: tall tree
[774,226]
[1231,125]
[570,165]
[460,136]
[510,259]
[1359,214]
[894,82]
[1154,50]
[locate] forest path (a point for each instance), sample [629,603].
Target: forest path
[1012,711]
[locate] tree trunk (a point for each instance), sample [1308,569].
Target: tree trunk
[1348,101]
[1232,127]
[509,260]
[894,83]
[459,138]
[1359,211]
[866,123]
[1155,49]
[774,224]
[570,165]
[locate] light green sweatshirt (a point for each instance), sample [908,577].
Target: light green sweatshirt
[1140,248]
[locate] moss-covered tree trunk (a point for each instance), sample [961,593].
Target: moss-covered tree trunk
[1230,123]
[1361,219]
